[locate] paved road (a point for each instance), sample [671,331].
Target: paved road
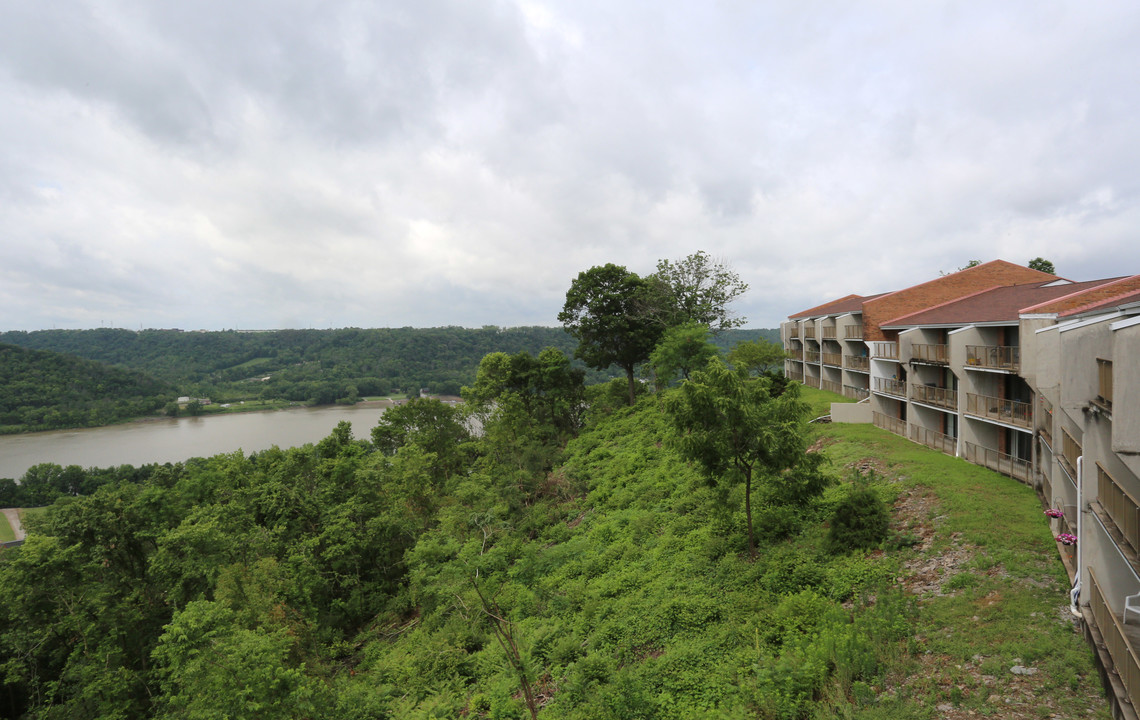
[13,516]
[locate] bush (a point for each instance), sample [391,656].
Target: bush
[860,521]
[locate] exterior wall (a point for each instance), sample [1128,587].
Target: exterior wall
[851,412]
[1126,395]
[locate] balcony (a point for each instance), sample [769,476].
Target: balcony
[933,354]
[1070,451]
[931,439]
[890,424]
[828,333]
[853,332]
[885,350]
[856,393]
[1005,411]
[832,359]
[797,376]
[811,356]
[811,381]
[1007,465]
[794,332]
[1045,419]
[855,362]
[809,331]
[890,387]
[994,357]
[1116,639]
[830,386]
[940,397]
[1104,384]
[796,354]
[1121,507]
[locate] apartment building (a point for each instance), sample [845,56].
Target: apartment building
[1025,373]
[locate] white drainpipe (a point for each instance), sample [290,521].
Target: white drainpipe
[1075,593]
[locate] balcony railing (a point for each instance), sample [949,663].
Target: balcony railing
[831,386]
[890,387]
[1121,506]
[888,423]
[998,462]
[794,331]
[994,357]
[1104,384]
[828,333]
[857,393]
[811,356]
[938,354]
[796,354]
[932,439]
[1124,656]
[809,331]
[832,359]
[1070,451]
[811,381]
[942,397]
[855,362]
[885,350]
[797,376]
[1007,411]
[853,332]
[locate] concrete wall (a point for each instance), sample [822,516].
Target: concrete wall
[851,412]
[1126,394]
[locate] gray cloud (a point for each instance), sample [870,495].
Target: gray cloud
[338,163]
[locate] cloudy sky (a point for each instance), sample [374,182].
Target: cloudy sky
[299,163]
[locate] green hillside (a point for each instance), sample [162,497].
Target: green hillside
[42,390]
[413,578]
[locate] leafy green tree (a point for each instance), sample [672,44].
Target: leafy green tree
[697,289]
[682,349]
[757,357]
[861,520]
[1040,263]
[737,431]
[427,423]
[605,310]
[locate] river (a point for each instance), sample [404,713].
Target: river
[176,439]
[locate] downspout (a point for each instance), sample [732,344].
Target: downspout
[1075,593]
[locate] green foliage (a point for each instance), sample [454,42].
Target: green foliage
[682,349]
[605,311]
[1040,263]
[696,290]
[757,357]
[861,520]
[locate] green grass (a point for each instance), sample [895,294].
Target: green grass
[6,532]
[1001,590]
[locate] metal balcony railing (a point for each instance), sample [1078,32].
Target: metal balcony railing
[885,350]
[809,331]
[828,333]
[888,423]
[797,376]
[853,332]
[832,359]
[831,386]
[857,393]
[1070,451]
[937,354]
[994,357]
[811,356]
[933,439]
[1007,411]
[856,362]
[941,397]
[794,331]
[890,387]
[1124,656]
[811,381]
[1121,506]
[998,462]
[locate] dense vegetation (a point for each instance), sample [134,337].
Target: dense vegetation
[42,390]
[312,366]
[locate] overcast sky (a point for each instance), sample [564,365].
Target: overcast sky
[296,163]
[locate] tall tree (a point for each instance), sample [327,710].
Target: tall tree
[737,431]
[757,357]
[696,289]
[605,311]
[1040,263]
[683,348]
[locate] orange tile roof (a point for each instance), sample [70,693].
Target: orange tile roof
[845,304]
[993,304]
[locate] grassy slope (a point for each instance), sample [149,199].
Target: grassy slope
[635,600]
[990,586]
[6,532]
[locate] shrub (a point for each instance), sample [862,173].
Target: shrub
[860,521]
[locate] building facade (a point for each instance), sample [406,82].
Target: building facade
[1030,375]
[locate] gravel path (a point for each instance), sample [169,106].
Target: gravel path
[13,516]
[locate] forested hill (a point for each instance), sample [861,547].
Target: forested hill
[373,361]
[41,390]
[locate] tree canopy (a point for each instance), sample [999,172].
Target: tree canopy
[1040,263]
[696,289]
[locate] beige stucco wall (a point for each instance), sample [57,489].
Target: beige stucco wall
[851,412]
